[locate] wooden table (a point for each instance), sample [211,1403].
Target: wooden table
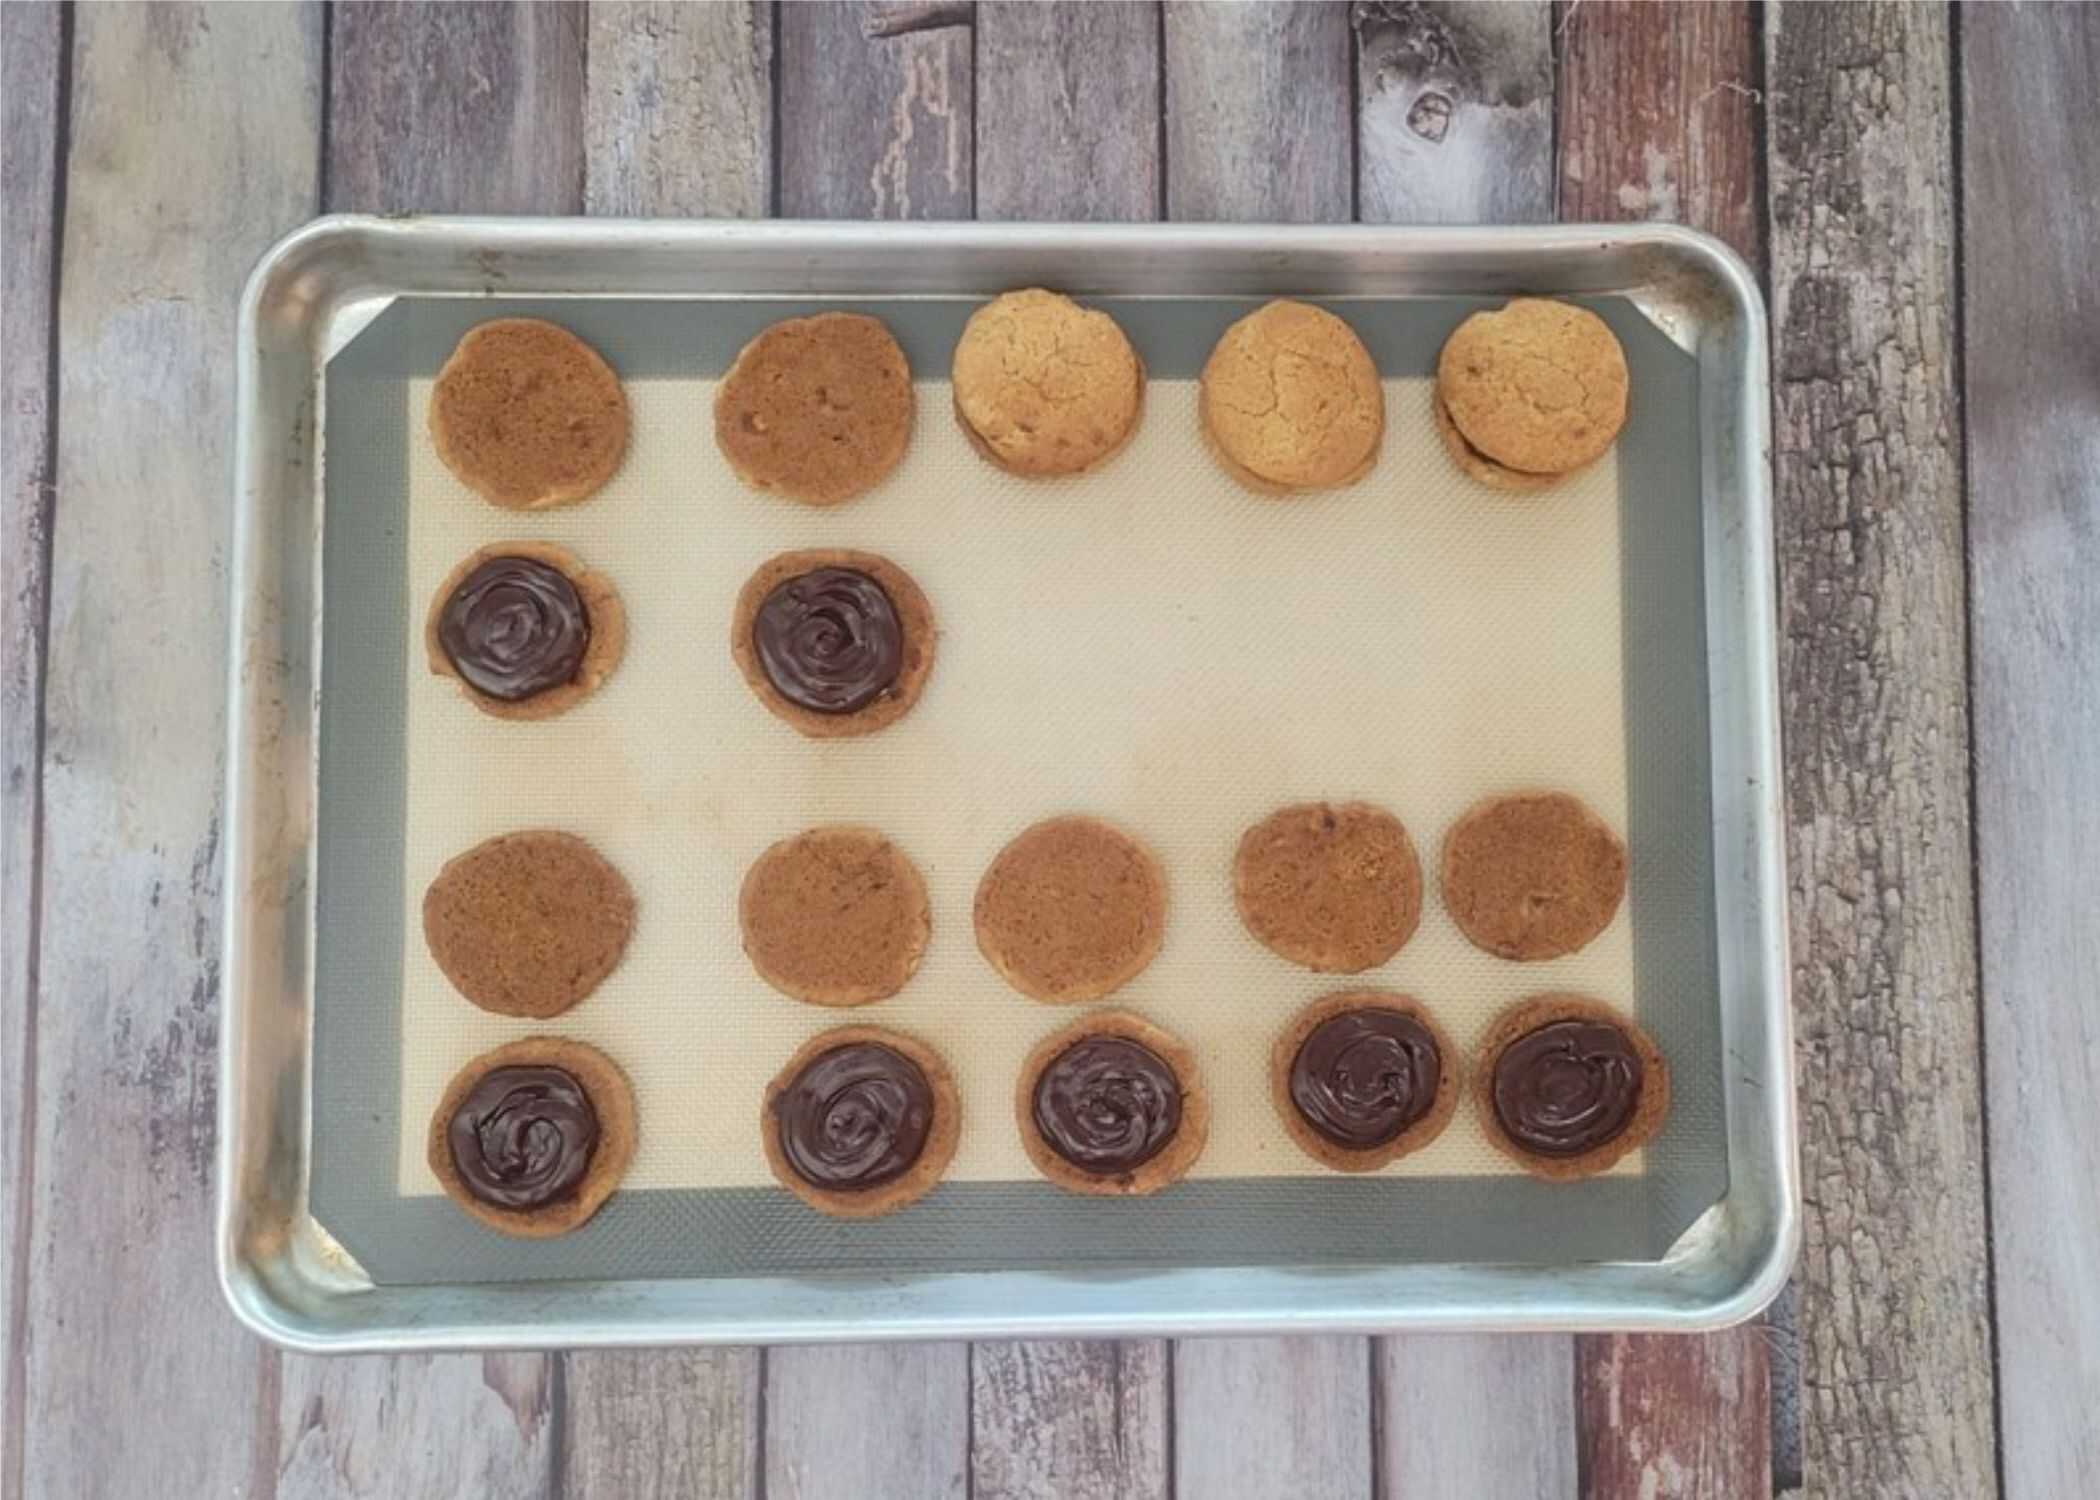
[1921,190]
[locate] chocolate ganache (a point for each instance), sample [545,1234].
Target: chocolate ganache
[829,640]
[1107,1105]
[524,1137]
[856,1117]
[1568,1087]
[1362,1077]
[515,627]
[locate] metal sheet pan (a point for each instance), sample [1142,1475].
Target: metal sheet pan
[289,1279]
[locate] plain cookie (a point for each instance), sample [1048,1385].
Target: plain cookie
[1362,1078]
[834,916]
[861,1121]
[1291,400]
[1337,889]
[1112,1106]
[528,415]
[817,409]
[1045,387]
[1536,386]
[527,924]
[1532,876]
[1566,1086]
[525,629]
[1070,910]
[835,642]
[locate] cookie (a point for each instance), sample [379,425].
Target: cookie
[833,641]
[525,629]
[528,416]
[1566,1086]
[1112,1106]
[532,1138]
[1535,385]
[1532,876]
[861,1121]
[1362,1078]
[1337,889]
[816,409]
[1045,387]
[1070,910]
[527,924]
[1291,400]
[1478,465]
[834,916]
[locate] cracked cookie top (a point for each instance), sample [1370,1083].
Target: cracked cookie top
[1044,386]
[1535,386]
[1291,400]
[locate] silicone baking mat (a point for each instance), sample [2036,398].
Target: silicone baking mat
[1149,643]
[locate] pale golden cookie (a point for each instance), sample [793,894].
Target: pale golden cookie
[1335,888]
[519,635]
[1291,400]
[1571,1093]
[1535,385]
[1070,910]
[817,409]
[527,924]
[873,1112]
[1532,876]
[1478,465]
[528,415]
[1045,387]
[834,916]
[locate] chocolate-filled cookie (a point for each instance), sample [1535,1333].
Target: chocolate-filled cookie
[833,641]
[1362,1078]
[1534,387]
[1112,1106]
[1335,888]
[1532,876]
[1566,1086]
[1477,464]
[528,415]
[1045,387]
[527,924]
[817,409]
[1070,910]
[1291,400]
[861,1121]
[834,916]
[525,629]
[533,1137]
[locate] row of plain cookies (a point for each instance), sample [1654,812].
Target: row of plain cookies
[532,1137]
[820,409]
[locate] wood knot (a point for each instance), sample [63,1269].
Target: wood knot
[1430,115]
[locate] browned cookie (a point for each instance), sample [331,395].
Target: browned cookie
[528,415]
[1337,889]
[1478,465]
[1532,876]
[1112,1106]
[1362,1078]
[527,924]
[861,1121]
[835,642]
[834,916]
[1291,400]
[525,629]
[1071,909]
[533,1137]
[1043,386]
[1535,385]
[817,409]
[1566,1086]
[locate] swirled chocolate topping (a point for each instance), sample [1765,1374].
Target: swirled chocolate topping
[515,627]
[1362,1077]
[524,1137]
[829,640]
[1107,1105]
[856,1117]
[1568,1087]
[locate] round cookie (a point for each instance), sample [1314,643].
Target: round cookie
[1535,385]
[1532,876]
[525,629]
[1045,387]
[1362,1078]
[1070,910]
[489,1136]
[1565,1086]
[1291,400]
[817,409]
[1112,1106]
[861,1121]
[1337,889]
[1477,465]
[528,415]
[527,924]
[835,642]
[834,916]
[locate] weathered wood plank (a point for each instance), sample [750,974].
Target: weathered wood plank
[846,1421]
[681,1422]
[875,112]
[1476,1415]
[1069,123]
[1675,1418]
[471,108]
[1455,120]
[193,144]
[1069,1421]
[2030,222]
[1273,1417]
[1257,105]
[1897,1351]
[678,109]
[416,1427]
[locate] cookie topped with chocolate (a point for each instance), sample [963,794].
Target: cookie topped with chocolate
[1112,1106]
[1362,1078]
[1566,1086]
[525,629]
[833,641]
[861,1121]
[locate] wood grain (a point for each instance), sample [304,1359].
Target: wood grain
[1675,1418]
[2030,222]
[1258,104]
[1455,120]
[681,1422]
[1476,1415]
[121,1297]
[874,125]
[417,1427]
[1067,110]
[1873,679]
[1069,1420]
[477,108]
[678,109]
[1272,1417]
[853,1420]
